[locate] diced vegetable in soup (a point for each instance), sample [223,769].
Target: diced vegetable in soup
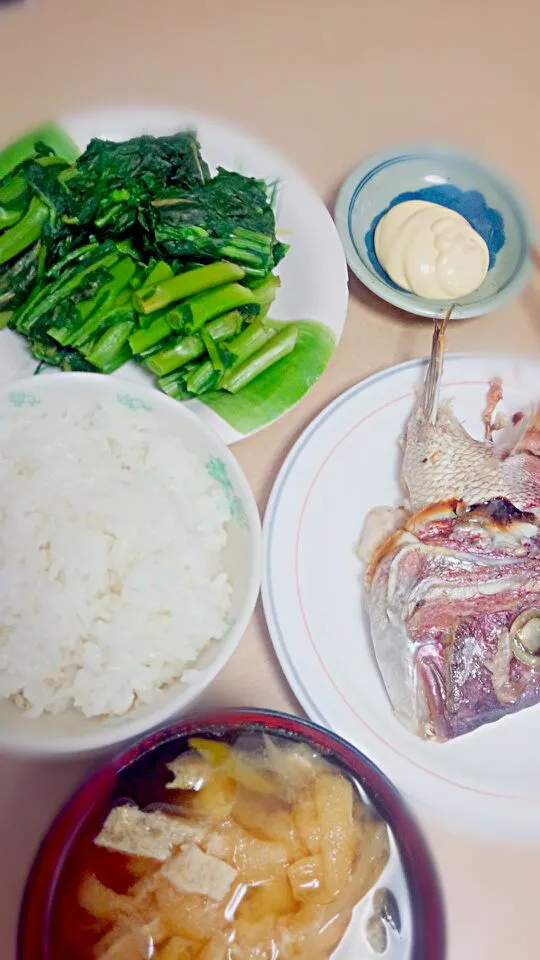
[257,849]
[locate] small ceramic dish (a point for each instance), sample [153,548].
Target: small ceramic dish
[453,179]
[418,927]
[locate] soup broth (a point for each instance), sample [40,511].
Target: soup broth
[248,848]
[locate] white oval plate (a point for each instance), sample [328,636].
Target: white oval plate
[347,462]
[313,273]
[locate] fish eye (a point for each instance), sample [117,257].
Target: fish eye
[525,638]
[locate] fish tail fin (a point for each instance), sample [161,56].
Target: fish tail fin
[432,385]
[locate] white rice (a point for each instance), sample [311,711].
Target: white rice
[112,577]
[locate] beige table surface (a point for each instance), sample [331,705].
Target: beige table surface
[327,81]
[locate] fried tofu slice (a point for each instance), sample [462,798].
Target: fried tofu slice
[192,871]
[130,830]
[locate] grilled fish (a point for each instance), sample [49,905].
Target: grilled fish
[453,585]
[442,461]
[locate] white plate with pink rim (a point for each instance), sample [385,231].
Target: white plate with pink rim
[345,463]
[314,284]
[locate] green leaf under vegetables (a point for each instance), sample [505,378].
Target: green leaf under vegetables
[51,135]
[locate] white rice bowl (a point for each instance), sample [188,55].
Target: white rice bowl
[129,561]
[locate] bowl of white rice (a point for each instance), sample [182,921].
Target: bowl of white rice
[129,561]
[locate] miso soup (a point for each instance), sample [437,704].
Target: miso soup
[251,848]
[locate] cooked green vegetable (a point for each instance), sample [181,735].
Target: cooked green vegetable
[226,217]
[13,189]
[104,308]
[18,277]
[277,347]
[156,296]
[144,339]
[60,293]
[176,355]
[25,232]
[206,306]
[111,350]
[279,388]
[209,375]
[9,216]
[133,250]
[225,326]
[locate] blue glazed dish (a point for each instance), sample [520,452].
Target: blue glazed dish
[457,181]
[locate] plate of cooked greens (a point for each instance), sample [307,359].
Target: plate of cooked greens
[154,244]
